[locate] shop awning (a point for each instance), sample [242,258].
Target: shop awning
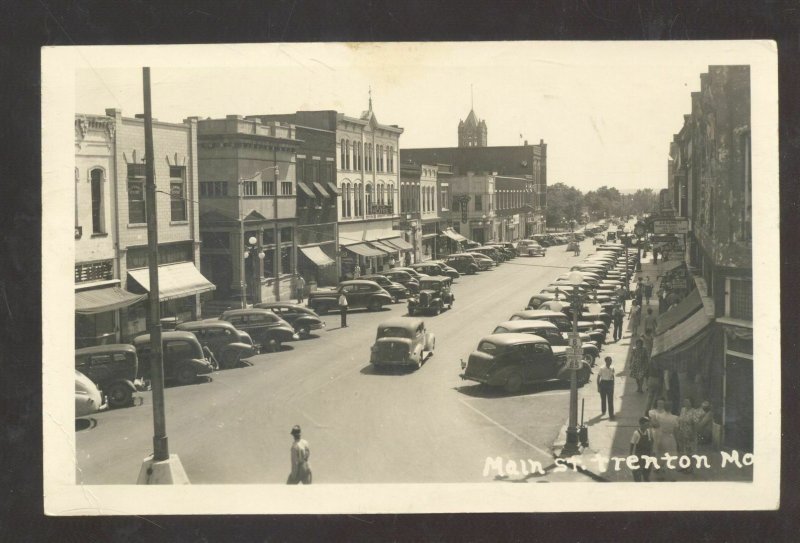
[89,302]
[384,246]
[317,256]
[686,331]
[174,280]
[364,250]
[399,243]
[682,311]
[333,188]
[452,234]
[306,189]
[322,192]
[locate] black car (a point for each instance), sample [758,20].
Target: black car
[434,295]
[265,327]
[227,344]
[183,357]
[396,290]
[404,278]
[359,293]
[463,263]
[436,268]
[302,319]
[551,333]
[113,368]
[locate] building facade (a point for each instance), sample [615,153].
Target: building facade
[247,194]
[523,161]
[473,211]
[710,184]
[112,272]
[419,205]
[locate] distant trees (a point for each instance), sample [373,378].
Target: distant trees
[565,203]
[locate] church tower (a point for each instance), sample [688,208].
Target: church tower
[472,132]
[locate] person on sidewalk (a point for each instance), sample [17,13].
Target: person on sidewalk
[634,318]
[655,375]
[300,452]
[704,424]
[605,386]
[617,315]
[650,322]
[664,423]
[343,309]
[639,292]
[639,364]
[687,431]
[641,446]
[648,289]
[299,288]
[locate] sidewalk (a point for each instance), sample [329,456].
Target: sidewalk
[609,439]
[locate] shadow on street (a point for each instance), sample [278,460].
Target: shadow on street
[485,391]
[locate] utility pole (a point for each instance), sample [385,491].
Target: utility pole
[160,467]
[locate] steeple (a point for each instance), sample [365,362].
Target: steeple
[472,131]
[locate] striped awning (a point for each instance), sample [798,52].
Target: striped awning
[333,188]
[400,243]
[317,256]
[364,250]
[322,192]
[384,246]
[90,302]
[306,189]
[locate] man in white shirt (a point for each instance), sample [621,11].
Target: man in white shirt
[605,386]
[343,309]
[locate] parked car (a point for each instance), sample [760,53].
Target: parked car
[402,341]
[558,318]
[434,295]
[542,239]
[491,252]
[396,290]
[599,238]
[183,356]
[507,252]
[88,398]
[551,333]
[538,299]
[510,247]
[113,368]
[469,244]
[529,247]
[410,271]
[463,263]
[266,328]
[484,262]
[435,268]
[227,344]
[404,278]
[302,319]
[359,294]
[513,360]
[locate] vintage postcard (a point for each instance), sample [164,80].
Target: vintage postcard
[410,277]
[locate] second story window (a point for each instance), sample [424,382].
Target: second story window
[286,188]
[250,188]
[136,206]
[177,193]
[341,154]
[347,155]
[268,188]
[98,213]
[478,202]
[300,168]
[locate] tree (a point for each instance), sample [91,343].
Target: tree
[564,203]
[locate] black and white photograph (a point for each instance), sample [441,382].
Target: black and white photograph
[410,277]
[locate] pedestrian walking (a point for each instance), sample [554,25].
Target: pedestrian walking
[605,386]
[624,297]
[655,376]
[648,289]
[655,255]
[617,315]
[300,452]
[642,445]
[639,293]
[687,430]
[634,319]
[640,363]
[343,309]
[650,322]
[357,272]
[299,287]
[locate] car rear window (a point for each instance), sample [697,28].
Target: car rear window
[394,331]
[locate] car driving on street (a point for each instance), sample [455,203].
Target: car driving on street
[402,342]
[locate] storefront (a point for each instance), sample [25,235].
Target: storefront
[97,318]
[430,235]
[317,265]
[451,242]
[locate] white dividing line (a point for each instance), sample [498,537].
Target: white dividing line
[512,434]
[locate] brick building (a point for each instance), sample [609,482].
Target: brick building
[111,230]
[711,339]
[523,162]
[419,206]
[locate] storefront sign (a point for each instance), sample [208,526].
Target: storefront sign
[671,226]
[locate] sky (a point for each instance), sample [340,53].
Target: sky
[606,110]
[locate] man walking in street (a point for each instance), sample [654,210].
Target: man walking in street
[299,288]
[605,386]
[343,309]
[301,472]
[618,314]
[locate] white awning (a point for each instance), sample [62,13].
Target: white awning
[174,280]
[452,234]
[681,333]
[399,243]
[90,302]
[364,250]
[317,256]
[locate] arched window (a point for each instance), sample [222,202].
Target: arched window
[341,154]
[390,196]
[369,199]
[359,202]
[347,155]
[380,194]
[98,213]
[357,155]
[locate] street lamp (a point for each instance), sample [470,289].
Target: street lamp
[252,249]
[574,363]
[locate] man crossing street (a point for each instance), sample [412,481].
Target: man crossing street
[343,309]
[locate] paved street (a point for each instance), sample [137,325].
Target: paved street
[363,426]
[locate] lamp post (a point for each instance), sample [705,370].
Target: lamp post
[574,362]
[251,250]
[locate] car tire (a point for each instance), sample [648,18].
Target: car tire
[589,359]
[186,375]
[231,359]
[304,332]
[437,310]
[375,305]
[513,383]
[583,376]
[119,395]
[274,345]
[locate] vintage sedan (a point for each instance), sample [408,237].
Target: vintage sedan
[436,268]
[484,262]
[359,293]
[513,360]
[228,345]
[266,328]
[463,263]
[88,398]
[538,299]
[552,334]
[434,295]
[302,319]
[402,342]
[404,278]
[113,368]
[410,271]
[529,247]
[184,359]
[396,290]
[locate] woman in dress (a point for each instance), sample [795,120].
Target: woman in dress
[633,319]
[687,430]
[639,364]
[665,426]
